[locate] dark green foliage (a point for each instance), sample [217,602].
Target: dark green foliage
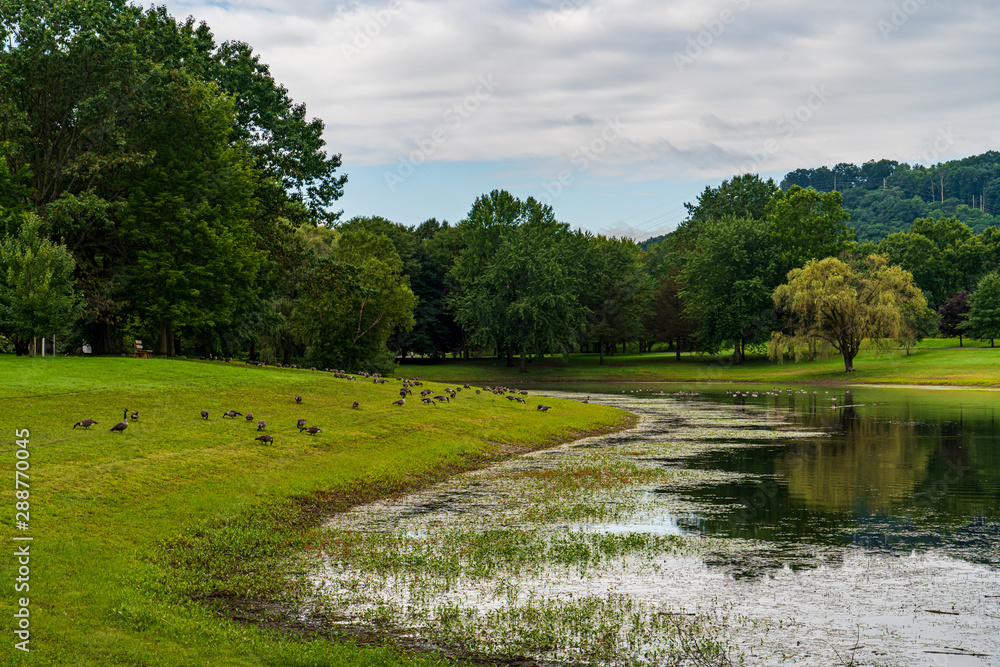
[984,309]
[953,314]
[728,279]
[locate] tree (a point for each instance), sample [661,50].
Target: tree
[187,219]
[842,305]
[920,256]
[808,225]
[354,298]
[616,292]
[519,290]
[666,318]
[728,279]
[744,196]
[984,309]
[954,312]
[36,285]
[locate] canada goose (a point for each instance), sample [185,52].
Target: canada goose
[442,398]
[86,423]
[261,425]
[298,399]
[204,414]
[355,405]
[401,401]
[299,423]
[122,425]
[135,416]
[543,408]
[428,401]
[249,416]
[312,430]
[233,414]
[265,438]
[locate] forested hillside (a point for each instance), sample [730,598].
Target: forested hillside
[886,196]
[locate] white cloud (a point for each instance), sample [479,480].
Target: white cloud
[385,75]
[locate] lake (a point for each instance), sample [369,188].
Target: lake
[778,525]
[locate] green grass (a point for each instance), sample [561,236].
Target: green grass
[148,541]
[933,362]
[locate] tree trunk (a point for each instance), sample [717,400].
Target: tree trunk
[600,349]
[100,338]
[166,345]
[524,363]
[849,362]
[960,340]
[623,347]
[510,357]
[677,351]
[737,357]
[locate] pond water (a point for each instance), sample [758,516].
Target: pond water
[779,525]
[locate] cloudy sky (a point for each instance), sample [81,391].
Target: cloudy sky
[616,112]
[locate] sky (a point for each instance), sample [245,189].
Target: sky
[617,112]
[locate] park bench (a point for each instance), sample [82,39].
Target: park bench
[141,353]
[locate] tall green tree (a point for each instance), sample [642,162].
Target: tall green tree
[354,298]
[984,309]
[519,290]
[187,220]
[37,298]
[808,225]
[616,293]
[728,279]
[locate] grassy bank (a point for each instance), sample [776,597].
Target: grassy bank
[147,543]
[933,362]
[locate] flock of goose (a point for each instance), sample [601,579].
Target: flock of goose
[447,396]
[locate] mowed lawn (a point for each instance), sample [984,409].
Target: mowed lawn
[933,362]
[141,539]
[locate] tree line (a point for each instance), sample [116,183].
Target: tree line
[157,185]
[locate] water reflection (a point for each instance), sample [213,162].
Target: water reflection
[896,469]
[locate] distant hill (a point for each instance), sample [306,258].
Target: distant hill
[887,196]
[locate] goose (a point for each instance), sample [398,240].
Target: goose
[249,416]
[298,399]
[265,438]
[135,416]
[300,423]
[233,414]
[355,405]
[543,408]
[86,423]
[261,425]
[122,425]
[204,414]
[312,430]
[401,401]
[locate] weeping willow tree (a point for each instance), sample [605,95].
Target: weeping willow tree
[834,305]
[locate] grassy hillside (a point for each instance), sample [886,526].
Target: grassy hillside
[146,540]
[934,362]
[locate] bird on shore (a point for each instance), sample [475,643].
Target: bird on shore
[204,414]
[249,416]
[86,423]
[300,423]
[265,438]
[122,425]
[233,414]
[261,425]
[298,399]
[135,416]
[544,408]
[401,401]
[312,430]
